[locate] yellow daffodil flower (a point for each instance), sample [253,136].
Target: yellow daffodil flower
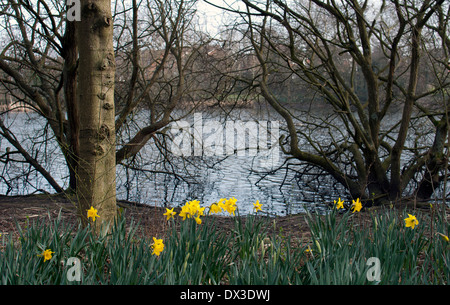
[184,212]
[356,206]
[158,246]
[47,254]
[411,221]
[92,213]
[221,203]
[340,204]
[229,205]
[230,209]
[232,201]
[193,206]
[215,208]
[169,213]
[257,206]
[200,211]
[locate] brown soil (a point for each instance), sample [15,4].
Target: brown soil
[23,210]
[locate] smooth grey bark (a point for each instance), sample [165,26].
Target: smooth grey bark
[96,174]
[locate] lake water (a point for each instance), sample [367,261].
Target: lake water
[227,170]
[207,164]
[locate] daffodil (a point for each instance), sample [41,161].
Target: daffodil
[47,254]
[444,237]
[340,204]
[230,205]
[92,213]
[215,208]
[356,206]
[184,212]
[257,206]
[200,211]
[232,201]
[169,213]
[158,246]
[192,209]
[221,203]
[230,209]
[411,221]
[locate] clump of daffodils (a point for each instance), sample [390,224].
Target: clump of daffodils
[355,207]
[192,209]
[224,204]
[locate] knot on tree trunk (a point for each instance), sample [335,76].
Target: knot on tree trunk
[107,106]
[108,62]
[104,132]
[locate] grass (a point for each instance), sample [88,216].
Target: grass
[338,252]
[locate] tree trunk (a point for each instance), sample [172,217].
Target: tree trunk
[396,181]
[96,71]
[435,163]
[70,54]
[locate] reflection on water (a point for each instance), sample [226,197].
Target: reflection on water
[175,179]
[233,177]
[246,175]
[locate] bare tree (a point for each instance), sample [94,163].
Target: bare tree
[33,39]
[365,62]
[162,73]
[159,58]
